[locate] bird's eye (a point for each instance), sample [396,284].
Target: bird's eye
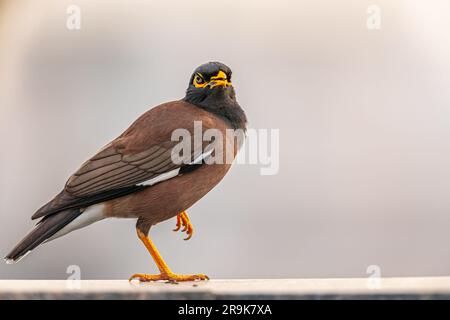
[198,79]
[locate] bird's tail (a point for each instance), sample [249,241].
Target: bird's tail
[43,231]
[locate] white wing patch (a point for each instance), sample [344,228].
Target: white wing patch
[203,156]
[161,177]
[175,172]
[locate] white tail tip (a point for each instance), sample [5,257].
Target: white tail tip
[12,261]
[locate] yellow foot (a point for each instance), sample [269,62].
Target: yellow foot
[183,220]
[171,277]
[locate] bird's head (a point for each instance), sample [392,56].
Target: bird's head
[210,88]
[211,75]
[210,81]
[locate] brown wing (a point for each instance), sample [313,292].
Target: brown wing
[112,169]
[141,153]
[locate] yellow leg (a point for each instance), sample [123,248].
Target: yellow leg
[166,273]
[183,219]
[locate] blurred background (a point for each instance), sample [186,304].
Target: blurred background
[363,114]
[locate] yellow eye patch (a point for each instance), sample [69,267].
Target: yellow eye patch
[220,79]
[199,81]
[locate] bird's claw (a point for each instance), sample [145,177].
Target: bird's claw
[183,220]
[170,277]
[178,225]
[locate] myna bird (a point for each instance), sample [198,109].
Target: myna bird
[135,175]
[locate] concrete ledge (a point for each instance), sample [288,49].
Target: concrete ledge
[387,288]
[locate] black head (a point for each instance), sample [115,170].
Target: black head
[210,88]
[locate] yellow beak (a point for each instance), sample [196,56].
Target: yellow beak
[219,80]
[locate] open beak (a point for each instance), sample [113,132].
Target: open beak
[219,80]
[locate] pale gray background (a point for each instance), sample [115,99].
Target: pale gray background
[364,119]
